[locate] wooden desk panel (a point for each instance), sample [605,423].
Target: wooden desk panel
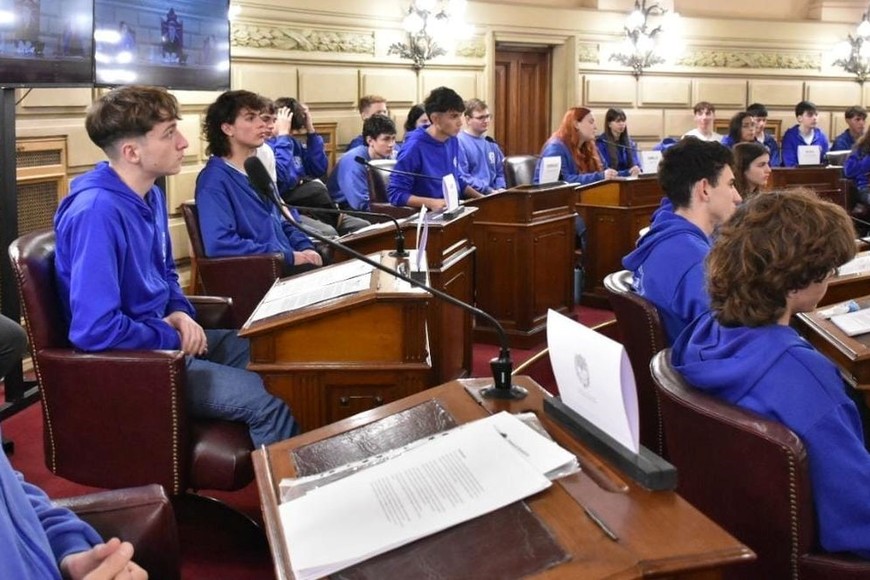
[847,287]
[660,534]
[825,181]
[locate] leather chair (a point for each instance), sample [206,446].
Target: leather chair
[749,475]
[245,279]
[519,169]
[142,516]
[643,336]
[379,200]
[117,418]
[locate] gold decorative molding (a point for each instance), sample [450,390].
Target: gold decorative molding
[471,48]
[305,40]
[587,52]
[710,58]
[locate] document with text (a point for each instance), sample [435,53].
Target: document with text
[449,480]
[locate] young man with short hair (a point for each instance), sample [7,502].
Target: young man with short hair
[431,152]
[348,184]
[481,160]
[234,218]
[855,119]
[759,112]
[369,106]
[805,132]
[705,114]
[668,264]
[116,275]
[772,260]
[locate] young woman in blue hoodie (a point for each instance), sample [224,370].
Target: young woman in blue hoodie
[768,263]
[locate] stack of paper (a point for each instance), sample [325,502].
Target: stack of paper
[451,478]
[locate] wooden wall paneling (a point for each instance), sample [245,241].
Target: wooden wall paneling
[399,86]
[609,91]
[721,92]
[834,96]
[273,80]
[462,81]
[667,92]
[523,89]
[328,87]
[72,98]
[776,93]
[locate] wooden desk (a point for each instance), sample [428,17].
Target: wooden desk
[615,211]
[825,181]
[846,287]
[525,260]
[660,534]
[333,359]
[850,354]
[450,256]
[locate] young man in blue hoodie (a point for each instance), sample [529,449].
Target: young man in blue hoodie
[348,185]
[770,262]
[432,153]
[481,160]
[116,275]
[805,132]
[668,263]
[38,539]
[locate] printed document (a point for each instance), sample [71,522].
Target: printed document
[858,265]
[853,323]
[551,167]
[595,378]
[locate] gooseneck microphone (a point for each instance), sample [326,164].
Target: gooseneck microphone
[367,163]
[399,252]
[502,366]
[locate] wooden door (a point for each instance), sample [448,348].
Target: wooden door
[522,99]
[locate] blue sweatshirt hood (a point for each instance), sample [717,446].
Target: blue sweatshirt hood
[103,178]
[747,353]
[665,225]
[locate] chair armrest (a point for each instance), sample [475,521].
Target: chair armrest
[245,279]
[115,419]
[142,516]
[841,566]
[213,311]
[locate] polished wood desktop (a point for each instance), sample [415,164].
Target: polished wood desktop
[333,359]
[659,534]
[615,211]
[450,257]
[844,287]
[525,260]
[825,181]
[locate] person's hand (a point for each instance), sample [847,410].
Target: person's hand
[193,341]
[471,193]
[110,561]
[283,119]
[307,257]
[610,173]
[309,122]
[434,204]
[634,171]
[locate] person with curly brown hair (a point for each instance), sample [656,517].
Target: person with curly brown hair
[768,263]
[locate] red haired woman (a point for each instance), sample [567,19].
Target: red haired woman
[574,143]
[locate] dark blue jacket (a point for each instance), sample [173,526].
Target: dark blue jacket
[293,161]
[348,182]
[425,155]
[626,158]
[792,139]
[115,271]
[843,142]
[773,371]
[856,168]
[569,172]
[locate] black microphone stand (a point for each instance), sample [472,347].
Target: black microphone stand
[399,252]
[502,366]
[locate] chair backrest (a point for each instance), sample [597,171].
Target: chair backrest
[745,472]
[643,336]
[191,222]
[519,169]
[379,180]
[32,258]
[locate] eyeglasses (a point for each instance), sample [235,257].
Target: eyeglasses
[482,117]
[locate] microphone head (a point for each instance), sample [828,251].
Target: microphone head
[361,160]
[258,174]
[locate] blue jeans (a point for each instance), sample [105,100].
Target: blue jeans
[218,386]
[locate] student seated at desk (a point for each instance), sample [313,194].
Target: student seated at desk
[348,185]
[767,264]
[759,113]
[431,153]
[668,264]
[804,133]
[574,143]
[855,119]
[857,168]
[615,148]
[741,129]
[481,160]
[751,168]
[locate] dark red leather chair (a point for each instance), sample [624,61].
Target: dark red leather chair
[245,279]
[749,475]
[142,516]
[643,336]
[117,419]
[379,200]
[519,169]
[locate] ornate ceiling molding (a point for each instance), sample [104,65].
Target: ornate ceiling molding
[719,58]
[471,48]
[587,52]
[305,40]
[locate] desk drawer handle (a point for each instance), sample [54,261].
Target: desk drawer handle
[345,401]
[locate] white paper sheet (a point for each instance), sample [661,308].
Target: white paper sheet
[450,191]
[595,378]
[650,161]
[858,265]
[428,489]
[809,155]
[311,296]
[853,323]
[551,167]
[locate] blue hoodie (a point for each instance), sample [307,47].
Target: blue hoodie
[423,154]
[34,534]
[115,271]
[293,161]
[792,139]
[626,158]
[843,142]
[668,267]
[481,162]
[773,371]
[569,172]
[856,168]
[235,220]
[348,182]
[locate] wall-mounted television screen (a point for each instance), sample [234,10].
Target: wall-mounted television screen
[46,43]
[179,44]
